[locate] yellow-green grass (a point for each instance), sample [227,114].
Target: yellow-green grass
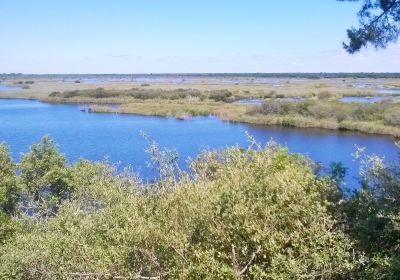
[243,113]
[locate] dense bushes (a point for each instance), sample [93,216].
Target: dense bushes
[8,183]
[386,113]
[222,95]
[372,219]
[237,214]
[145,94]
[392,117]
[8,195]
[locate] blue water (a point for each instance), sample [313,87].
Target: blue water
[117,137]
[8,87]
[250,101]
[366,99]
[389,91]
[259,101]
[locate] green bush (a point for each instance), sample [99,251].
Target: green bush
[372,219]
[236,214]
[8,182]
[386,113]
[392,117]
[256,214]
[45,176]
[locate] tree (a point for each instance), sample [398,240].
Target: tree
[8,194]
[8,184]
[372,218]
[379,25]
[44,171]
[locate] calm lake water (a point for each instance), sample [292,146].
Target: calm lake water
[367,99]
[9,87]
[117,137]
[389,91]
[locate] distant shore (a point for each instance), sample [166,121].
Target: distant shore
[182,96]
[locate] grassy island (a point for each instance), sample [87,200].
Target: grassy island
[320,111]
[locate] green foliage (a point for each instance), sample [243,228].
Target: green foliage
[379,25]
[8,227]
[384,113]
[337,173]
[373,219]
[222,95]
[145,94]
[259,213]
[8,184]
[9,194]
[238,215]
[392,117]
[43,171]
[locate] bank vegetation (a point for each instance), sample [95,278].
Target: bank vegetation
[260,213]
[322,110]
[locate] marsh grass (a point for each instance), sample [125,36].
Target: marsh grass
[142,94]
[380,118]
[319,110]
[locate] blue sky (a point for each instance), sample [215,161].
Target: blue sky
[159,36]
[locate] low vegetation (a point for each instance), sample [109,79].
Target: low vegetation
[381,118]
[320,111]
[259,213]
[122,96]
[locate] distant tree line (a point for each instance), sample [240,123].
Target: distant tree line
[321,75]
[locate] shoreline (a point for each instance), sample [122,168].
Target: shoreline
[224,112]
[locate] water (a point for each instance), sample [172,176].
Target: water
[292,99]
[92,81]
[366,99]
[96,136]
[258,101]
[389,91]
[250,101]
[8,87]
[360,85]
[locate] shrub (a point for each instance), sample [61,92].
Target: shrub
[387,113]
[270,94]
[392,117]
[325,95]
[239,214]
[45,176]
[8,182]
[275,107]
[222,95]
[8,228]
[372,218]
